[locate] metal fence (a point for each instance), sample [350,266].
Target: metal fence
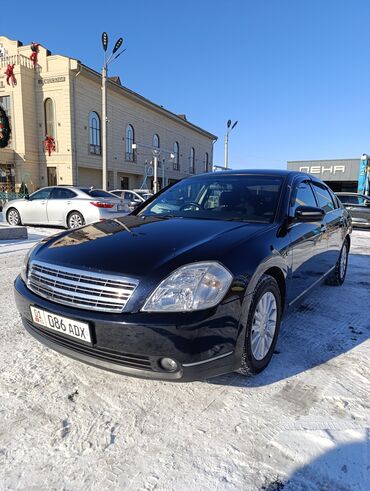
[6,196]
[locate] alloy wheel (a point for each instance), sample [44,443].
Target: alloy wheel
[13,217]
[343,261]
[263,326]
[75,220]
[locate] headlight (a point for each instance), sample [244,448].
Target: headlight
[24,270]
[195,286]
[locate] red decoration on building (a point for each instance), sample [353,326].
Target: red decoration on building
[49,144]
[35,52]
[10,77]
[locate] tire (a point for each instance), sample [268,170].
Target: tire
[13,217]
[75,220]
[265,310]
[338,276]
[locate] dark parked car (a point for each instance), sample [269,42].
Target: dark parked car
[194,282]
[358,206]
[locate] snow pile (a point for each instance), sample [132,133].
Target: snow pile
[303,424]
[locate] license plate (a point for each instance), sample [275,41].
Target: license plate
[63,325]
[121,208]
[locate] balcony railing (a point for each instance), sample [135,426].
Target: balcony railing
[17,60]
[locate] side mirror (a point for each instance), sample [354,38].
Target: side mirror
[367,202]
[27,197]
[309,214]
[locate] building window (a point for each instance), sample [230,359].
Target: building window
[156,142]
[94,134]
[206,162]
[130,140]
[192,161]
[176,160]
[49,118]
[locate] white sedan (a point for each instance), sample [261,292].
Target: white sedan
[66,206]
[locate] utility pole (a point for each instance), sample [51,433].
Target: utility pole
[226,143]
[104,127]
[104,74]
[155,174]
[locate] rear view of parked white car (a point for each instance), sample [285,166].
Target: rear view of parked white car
[66,206]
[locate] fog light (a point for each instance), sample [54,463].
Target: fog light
[168,364]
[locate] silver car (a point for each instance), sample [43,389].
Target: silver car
[65,206]
[133,198]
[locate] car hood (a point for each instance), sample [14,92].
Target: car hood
[136,246]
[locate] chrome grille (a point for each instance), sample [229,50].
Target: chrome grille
[79,288]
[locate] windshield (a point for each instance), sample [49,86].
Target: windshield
[250,198]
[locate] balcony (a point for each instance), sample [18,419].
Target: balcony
[17,60]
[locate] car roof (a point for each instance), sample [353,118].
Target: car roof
[340,193]
[259,172]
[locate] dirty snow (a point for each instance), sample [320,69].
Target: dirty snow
[303,424]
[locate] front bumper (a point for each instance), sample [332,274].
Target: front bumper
[204,344]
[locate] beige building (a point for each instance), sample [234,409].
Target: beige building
[60,97]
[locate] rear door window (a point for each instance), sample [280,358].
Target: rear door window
[97,193]
[348,199]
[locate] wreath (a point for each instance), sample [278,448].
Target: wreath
[4,129]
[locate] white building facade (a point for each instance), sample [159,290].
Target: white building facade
[59,99]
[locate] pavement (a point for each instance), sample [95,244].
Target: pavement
[302,424]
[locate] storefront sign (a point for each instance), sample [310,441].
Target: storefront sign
[321,169]
[53,80]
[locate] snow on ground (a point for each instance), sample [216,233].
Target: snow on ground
[303,424]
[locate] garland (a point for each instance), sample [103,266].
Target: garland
[10,77]
[35,51]
[4,129]
[49,144]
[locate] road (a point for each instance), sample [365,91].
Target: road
[303,424]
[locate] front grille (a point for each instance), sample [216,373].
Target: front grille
[126,359]
[78,288]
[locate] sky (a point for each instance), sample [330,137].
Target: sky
[295,74]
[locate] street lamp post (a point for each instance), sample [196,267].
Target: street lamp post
[156,152]
[230,127]
[113,56]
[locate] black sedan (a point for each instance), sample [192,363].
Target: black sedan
[193,283]
[358,206]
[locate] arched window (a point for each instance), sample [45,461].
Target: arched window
[206,162]
[156,142]
[94,133]
[49,117]
[130,140]
[176,160]
[192,160]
